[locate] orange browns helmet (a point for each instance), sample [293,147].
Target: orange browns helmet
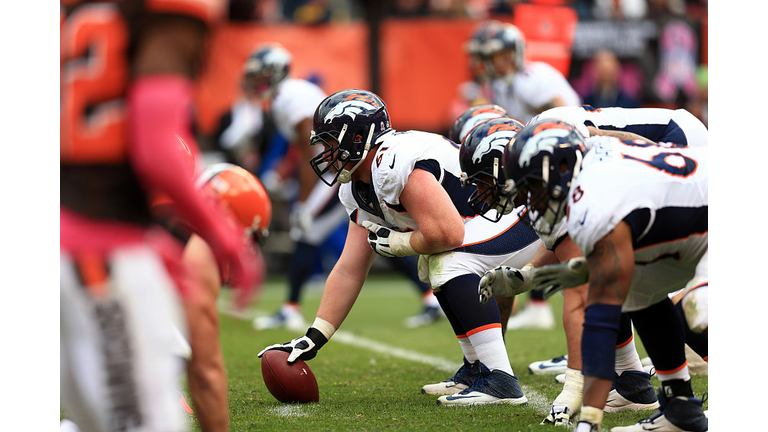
[242,195]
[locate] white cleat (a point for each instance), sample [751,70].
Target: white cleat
[536,315]
[632,391]
[555,366]
[461,380]
[678,414]
[497,387]
[287,318]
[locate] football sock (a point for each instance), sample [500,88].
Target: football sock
[627,358]
[302,263]
[469,351]
[491,350]
[662,330]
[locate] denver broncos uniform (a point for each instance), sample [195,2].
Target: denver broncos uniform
[486,244]
[657,124]
[532,87]
[662,192]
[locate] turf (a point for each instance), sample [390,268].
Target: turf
[378,389]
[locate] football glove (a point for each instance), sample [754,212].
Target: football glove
[304,347]
[388,242]
[505,282]
[557,277]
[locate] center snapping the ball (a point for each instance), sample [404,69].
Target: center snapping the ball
[288,382]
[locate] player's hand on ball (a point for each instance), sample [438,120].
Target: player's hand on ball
[304,347]
[505,282]
[557,277]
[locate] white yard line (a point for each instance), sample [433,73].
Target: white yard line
[535,399]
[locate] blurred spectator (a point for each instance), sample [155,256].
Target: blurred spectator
[620,9]
[659,10]
[607,91]
[504,7]
[678,47]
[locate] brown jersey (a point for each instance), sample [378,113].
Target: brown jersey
[97,41]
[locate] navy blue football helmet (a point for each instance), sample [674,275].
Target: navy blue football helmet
[471,118]
[481,156]
[267,67]
[540,164]
[347,124]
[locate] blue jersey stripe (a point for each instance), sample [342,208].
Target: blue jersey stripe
[516,237]
[670,132]
[670,224]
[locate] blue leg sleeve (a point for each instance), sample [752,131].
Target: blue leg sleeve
[598,341]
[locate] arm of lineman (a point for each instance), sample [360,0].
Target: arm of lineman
[440,225]
[341,290]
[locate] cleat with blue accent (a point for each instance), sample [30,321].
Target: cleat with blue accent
[497,387]
[428,315]
[631,391]
[461,380]
[677,414]
[555,366]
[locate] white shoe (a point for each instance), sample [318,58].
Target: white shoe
[288,317]
[679,414]
[497,387]
[632,391]
[555,366]
[461,380]
[560,378]
[535,315]
[427,316]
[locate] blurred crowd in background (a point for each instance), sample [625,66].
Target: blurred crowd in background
[659,60]
[625,53]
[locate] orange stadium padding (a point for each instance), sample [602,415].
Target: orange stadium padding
[337,53]
[422,61]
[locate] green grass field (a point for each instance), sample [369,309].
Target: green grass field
[371,372]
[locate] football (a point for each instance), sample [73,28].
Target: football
[288,383]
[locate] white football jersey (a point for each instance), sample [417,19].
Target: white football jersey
[296,99]
[486,244]
[395,159]
[532,88]
[661,191]
[657,124]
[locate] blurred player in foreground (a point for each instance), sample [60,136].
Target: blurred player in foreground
[247,205]
[638,213]
[122,276]
[403,193]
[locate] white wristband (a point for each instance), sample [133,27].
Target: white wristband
[326,328]
[400,244]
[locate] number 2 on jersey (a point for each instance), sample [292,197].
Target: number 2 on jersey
[94,75]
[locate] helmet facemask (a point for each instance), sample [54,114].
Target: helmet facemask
[335,156]
[490,196]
